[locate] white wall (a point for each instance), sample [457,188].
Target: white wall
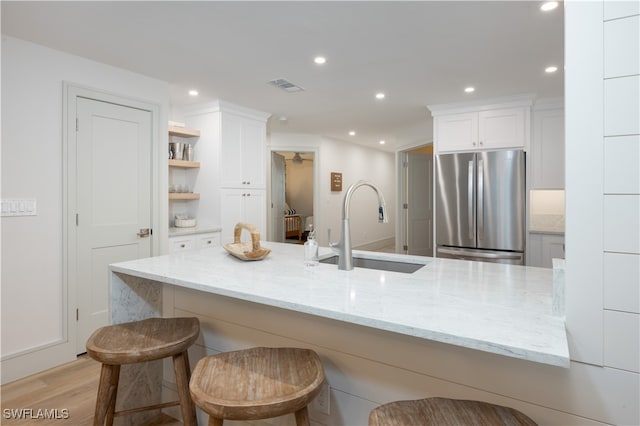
[603,196]
[355,162]
[34,330]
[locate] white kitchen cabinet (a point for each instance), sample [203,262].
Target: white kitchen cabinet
[193,241]
[235,160]
[242,152]
[457,132]
[544,247]
[471,127]
[490,129]
[207,240]
[243,205]
[547,147]
[181,243]
[503,128]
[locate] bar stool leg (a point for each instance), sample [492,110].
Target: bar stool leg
[107,393]
[183,373]
[214,421]
[302,417]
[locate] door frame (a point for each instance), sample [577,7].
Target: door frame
[71,92]
[274,216]
[402,226]
[316,182]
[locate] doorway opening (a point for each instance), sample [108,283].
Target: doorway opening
[416,201]
[293,181]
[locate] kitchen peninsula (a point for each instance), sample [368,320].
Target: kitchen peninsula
[447,314]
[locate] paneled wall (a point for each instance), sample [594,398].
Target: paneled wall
[603,191]
[621,84]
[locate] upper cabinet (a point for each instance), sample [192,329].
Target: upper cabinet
[242,148]
[232,179]
[464,127]
[547,146]
[457,132]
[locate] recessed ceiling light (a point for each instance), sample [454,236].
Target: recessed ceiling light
[380,95]
[551,69]
[320,60]
[352,133]
[549,5]
[469,89]
[193,93]
[381,142]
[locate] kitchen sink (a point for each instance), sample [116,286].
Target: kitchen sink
[383,265]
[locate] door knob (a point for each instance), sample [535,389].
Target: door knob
[144,232]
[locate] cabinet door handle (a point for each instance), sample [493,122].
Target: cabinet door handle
[182,246]
[473,143]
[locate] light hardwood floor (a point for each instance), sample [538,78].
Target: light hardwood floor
[67,392]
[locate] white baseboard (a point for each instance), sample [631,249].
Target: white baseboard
[35,361]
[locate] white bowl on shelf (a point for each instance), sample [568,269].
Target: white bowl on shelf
[185,223]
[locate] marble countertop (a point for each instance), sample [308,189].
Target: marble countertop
[502,309]
[176,232]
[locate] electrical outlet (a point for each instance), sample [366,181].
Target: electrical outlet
[322,401]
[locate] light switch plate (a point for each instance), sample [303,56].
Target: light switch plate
[18,207]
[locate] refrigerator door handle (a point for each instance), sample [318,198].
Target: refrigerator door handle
[485,255]
[480,220]
[472,230]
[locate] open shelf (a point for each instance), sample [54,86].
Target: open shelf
[183,132]
[184,164]
[184,196]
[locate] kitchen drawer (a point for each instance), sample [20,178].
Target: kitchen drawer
[208,240]
[181,243]
[194,241]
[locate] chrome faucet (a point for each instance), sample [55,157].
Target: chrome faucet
[343,248]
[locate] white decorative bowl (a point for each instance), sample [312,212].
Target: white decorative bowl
[185,223]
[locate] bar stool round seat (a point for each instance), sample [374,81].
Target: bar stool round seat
[142,341]
[444,411]
[257,383]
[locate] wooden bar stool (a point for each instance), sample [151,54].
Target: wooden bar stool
[444,411]
[257,383]
[141,341]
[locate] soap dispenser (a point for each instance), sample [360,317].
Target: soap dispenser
[311,250]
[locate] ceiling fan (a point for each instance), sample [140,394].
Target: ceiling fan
[297,158]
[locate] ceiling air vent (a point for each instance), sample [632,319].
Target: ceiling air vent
[285,85]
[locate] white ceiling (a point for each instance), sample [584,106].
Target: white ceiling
[418,53]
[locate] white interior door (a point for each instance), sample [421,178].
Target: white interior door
[277,196]
[113,186]
[420,204]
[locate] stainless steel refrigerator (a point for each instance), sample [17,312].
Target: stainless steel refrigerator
[480,206]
